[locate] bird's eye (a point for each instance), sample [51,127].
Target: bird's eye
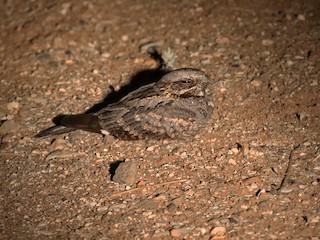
[185,81]
[182,85]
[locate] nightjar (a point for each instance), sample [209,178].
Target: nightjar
[179,105]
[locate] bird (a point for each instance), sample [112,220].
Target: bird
[178,106]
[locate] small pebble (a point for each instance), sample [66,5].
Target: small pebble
[301,17]
[184,155]
[150,149]
[252,186]
[232,161]
[65,8]
[59,144]
[267,42]
[160,198]
[289,63]
[223,89]
[124,38]
[179,232]
[106,55]
[286,190]
[13,106]
[235,150]
[218,231]
[222,40]
[126,173]
[256,83]
[314,83]
[141,183]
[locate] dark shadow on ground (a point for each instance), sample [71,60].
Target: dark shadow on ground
[139,79]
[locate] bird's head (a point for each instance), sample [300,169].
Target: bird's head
[185,82]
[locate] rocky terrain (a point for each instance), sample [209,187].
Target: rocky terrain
[252,174]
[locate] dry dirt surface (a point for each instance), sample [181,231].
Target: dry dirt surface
[252,174]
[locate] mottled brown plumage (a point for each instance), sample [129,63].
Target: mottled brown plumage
[179,105]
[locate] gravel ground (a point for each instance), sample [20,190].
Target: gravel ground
[254,172]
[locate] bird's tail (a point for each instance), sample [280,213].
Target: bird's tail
[69,123]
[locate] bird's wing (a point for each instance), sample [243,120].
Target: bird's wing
[153,117]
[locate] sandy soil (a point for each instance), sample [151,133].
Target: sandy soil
[66,56]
